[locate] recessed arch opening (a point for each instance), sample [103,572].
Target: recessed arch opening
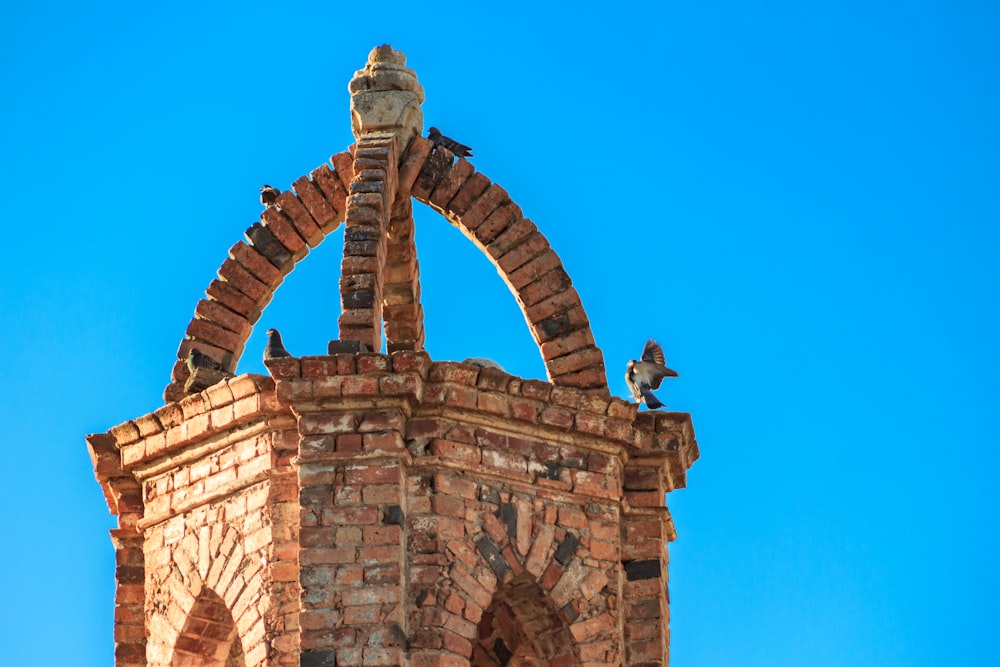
[521,628]
[209,637]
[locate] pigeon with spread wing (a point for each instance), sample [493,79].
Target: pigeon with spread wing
[646,374]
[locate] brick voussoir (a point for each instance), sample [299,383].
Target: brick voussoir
[413,161]
[516,233]
[592,378]
[319,208]
[437,166]
[554,282]
[567,344]
[303,222]
[557,303]
[497,222]
[524,251]
[343,166]
[329,185]
[257,264]
[233,299]
[211,332]
[239,277]
[486,203]
[575,361]
[451,184]
[213,311]
[473,187]
[281,226]
[534,269]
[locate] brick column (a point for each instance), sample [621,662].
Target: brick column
[352,411]
[130,572]
[646,608]
[372,192]
[404,316]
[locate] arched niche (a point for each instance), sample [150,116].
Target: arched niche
[209,637]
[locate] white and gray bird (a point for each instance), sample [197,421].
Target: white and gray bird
[268,194]
[274,348]
[646,374]
[438,139]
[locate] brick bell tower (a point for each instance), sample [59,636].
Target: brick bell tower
[375,509]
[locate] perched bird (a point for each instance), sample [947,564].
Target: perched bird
[461,150]
[198,359]
[268,195]
[274,347]
[646,374]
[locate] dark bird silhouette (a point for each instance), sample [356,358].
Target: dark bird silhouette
[268,195]
[646,374]
[438,139]
[274,348]
[198,359]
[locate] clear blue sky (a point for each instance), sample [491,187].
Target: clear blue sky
[798,200]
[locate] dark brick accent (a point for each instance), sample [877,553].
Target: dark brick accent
[508,514]
[568,547]
[491,553]
[642,569]
[393,515]
[318,659]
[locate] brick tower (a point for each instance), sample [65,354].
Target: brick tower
[373,509]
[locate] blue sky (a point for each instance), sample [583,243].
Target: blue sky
[798,200]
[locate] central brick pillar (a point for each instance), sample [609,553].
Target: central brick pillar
[352,412]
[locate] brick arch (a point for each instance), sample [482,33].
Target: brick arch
[225,587]
[319,202]
[542,579]
[523,627]
[209,637]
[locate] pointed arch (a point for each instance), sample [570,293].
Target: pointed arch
[209,637]
[523,627]
[319,202]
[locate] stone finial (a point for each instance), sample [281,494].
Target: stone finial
[386,97]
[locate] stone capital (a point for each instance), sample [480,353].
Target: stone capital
[386,97]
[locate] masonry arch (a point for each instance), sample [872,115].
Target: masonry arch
[521,628]
[316,205]
[209,637]
[206,608]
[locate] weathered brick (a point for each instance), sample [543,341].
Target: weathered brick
[496,222]
[473,187]
[215,312]
[520,254]
[343,164]
[483,206]
[284,230]
[212,333]
[234,299]
[257,264]
[446,189]
[236,275]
